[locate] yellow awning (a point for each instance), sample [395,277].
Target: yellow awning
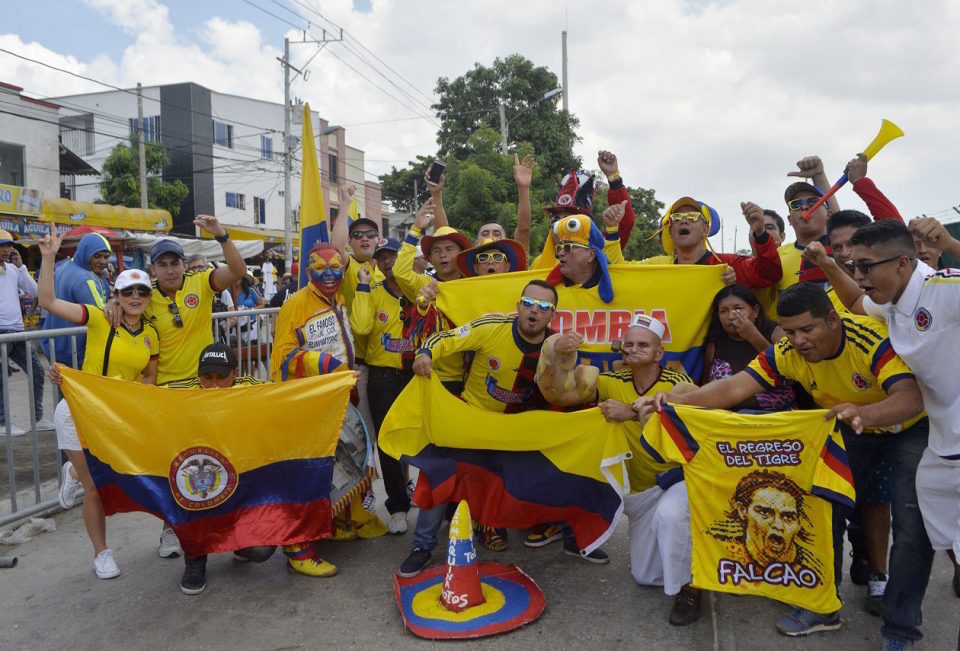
[267,235]
[77,213]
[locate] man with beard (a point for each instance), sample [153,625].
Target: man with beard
[79,280]
[847,365]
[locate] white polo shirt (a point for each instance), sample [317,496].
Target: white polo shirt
[925,332]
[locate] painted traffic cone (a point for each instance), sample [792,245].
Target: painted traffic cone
[461,586]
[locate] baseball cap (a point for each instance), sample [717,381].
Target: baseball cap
[131,277]
[6,237]
[363,221]
[166,246]
[800,186]
[649,323]
[389,244]
[217,358]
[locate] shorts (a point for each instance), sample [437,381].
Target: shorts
[938,492]
[66,429]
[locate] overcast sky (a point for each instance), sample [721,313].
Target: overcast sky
[717,100]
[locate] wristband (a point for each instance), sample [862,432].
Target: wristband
[415,231]
[613,177]
[222,238]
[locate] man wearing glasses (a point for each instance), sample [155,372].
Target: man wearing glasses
[505,351]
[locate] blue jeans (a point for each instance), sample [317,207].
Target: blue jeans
[17,354]
[429,522]
[911,556]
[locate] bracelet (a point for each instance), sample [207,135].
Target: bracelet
[613,177]
[222,238]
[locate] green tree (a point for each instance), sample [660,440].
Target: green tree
[121,179]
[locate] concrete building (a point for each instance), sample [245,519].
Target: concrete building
[29,148]
[227,149]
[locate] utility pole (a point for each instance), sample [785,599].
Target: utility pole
[566,105]
[141,147]
[287,161]
[504,128]
[416,196]
[288,137]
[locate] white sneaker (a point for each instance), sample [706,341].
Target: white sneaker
[70,488]
[398,522]
[44,425]
[169,544]
[14,430]
[105,566]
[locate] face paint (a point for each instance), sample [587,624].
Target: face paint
[326,270]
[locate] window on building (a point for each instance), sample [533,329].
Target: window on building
[11,164]
[223,134]
[259,210]
[334,170]
[266,147]
[236,200]
[151,128]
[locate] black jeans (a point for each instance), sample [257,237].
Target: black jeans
[383,387]
[911,556]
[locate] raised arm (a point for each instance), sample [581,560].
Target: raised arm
[49,245]
[340,235]
[410,281]
[811,168]
[236,268]
[523,175]
[436,195]
[877,203]
[617,192]
[848,291]
[934,234]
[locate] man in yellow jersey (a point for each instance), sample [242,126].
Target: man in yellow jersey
[217,370]
[501,379]
[380,314]
[849,367]
[657,504]
[360,238]
[182,304]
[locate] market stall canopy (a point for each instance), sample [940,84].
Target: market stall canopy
[266,235]
[76,213]
[210,249]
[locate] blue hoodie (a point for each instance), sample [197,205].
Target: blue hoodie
[74,282]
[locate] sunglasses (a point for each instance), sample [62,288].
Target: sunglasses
[370,235]
[544,306]
[686,217]
[175,311]
[140,291]
[567,247]
[801,204]
[866,267]
[404,304]
[491,257]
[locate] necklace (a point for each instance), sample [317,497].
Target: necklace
[131,326]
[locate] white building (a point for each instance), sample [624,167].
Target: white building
[227,149]
[29,149]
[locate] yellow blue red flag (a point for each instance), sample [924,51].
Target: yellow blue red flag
[514,470]
[227,468]
[313,212]
[680,296]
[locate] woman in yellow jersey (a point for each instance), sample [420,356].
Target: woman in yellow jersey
[127,352]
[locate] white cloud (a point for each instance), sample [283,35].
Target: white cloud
[714,99]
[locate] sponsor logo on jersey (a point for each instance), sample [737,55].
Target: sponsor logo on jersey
[506,396]
[398,345]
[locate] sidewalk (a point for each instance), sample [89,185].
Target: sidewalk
[52,599]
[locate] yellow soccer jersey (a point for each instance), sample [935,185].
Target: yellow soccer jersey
[117,352]
[348,287]
[837,303]
[180,346]
[378,315]
[500,377]
[194,383]
[760,490]
[861,373]
[451,368]
[642,470]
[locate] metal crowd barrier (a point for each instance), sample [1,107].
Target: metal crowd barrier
[33,461]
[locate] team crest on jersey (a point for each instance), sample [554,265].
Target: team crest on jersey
[922,319]
[147,342]
[382,316]
[201,478]
[191,300]
[494,363]
[861,382]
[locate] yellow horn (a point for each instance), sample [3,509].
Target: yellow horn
[888,131]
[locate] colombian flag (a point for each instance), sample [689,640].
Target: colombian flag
[313,213]
[514,470]
[227,468]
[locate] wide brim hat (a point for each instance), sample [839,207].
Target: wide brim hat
[444,233]
[711,216]
[516,256]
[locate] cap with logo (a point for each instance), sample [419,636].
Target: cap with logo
[391,244]
[217,358]
[131,277]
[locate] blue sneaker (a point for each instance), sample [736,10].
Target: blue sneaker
[803,622]
[896,644]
